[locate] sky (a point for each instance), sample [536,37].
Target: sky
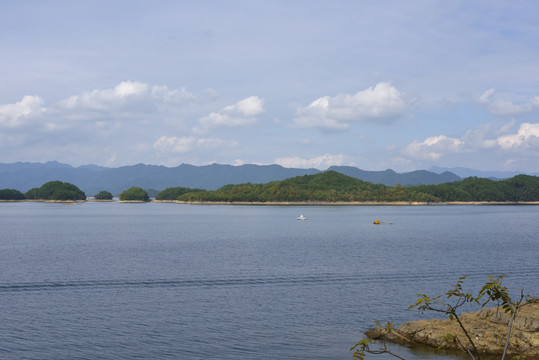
[404,85]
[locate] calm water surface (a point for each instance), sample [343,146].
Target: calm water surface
[169,281]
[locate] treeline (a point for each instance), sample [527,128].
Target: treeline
[64,191]
[331,186]
[52,190]
[518,188]
[11,194]
[173,193]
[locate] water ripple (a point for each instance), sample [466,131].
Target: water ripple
[318,279]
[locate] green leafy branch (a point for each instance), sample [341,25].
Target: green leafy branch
[366,345]
[448,304]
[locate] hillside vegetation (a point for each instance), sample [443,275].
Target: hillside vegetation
[172,193]
[11,194]
[518,188]
[331,186]
[135,193]
[103,195]
[56,190]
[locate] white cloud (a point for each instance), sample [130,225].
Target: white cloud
[382,104]
[320,162]
[69,128]
[106,99]
[219,119]
[242,113]
[100,111]
[186,144]
[127,95]
[20,113]
[482,138]
[176,97]
[526,137]
[251,106]
[433,148]
[501,107]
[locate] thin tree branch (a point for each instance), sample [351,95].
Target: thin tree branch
[468,336]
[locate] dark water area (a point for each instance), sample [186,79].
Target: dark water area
[169,281]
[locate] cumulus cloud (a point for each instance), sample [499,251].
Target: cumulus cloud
[101,108]
[98,112]
[485,137]
[434,147]
[166,144]
[500,107]
[242,113]
[381,104]
[251,106]
[20,113]
[320,162]
[90,119]
[526,137]
[162,93]
[127,95]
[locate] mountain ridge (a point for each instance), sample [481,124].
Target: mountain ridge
[467,172]
[93,178]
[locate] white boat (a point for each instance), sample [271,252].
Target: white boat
[301,217]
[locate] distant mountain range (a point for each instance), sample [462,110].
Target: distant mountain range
[92,178]
[390,177]
[465,172]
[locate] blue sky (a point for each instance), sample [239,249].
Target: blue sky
[373,84]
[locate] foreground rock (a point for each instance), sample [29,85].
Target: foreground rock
[487,327]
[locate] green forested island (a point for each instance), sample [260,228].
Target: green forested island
[326,187]
[331,186]
[11,194]
[103,195]
[57,191]
[135,193]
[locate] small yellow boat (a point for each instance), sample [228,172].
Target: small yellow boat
[376,222]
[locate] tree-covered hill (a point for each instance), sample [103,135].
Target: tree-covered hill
[172,193]
[331,186]
[135,193]
[56,190]
[11,194]
[518,188]
[103,195]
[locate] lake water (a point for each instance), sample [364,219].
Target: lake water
[169,281]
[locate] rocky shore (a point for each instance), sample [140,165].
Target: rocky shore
[488,328]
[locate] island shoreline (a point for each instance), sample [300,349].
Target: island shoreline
[292,203]
[347,203]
